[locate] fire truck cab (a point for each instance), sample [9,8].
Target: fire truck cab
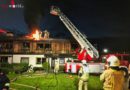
[124,60]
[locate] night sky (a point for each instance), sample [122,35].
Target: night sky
[94,18]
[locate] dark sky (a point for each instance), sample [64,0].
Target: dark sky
[94,18]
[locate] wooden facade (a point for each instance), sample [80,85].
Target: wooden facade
[22,45]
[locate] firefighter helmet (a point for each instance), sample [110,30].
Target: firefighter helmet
[83,61]
[113,60]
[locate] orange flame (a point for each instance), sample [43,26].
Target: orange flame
[36,35]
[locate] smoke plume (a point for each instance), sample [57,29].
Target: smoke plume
[34,10]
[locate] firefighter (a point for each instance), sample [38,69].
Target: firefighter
[46,34]
[83,76]
[4,81]
[56,68]
[113,78]
[126,78]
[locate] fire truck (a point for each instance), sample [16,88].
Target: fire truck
[124,60]
[87,51]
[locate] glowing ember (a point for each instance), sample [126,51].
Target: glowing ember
[36,35]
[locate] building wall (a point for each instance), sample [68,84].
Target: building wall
[57,47]
[17,46]
[32,59]
[10,59]
[60,49]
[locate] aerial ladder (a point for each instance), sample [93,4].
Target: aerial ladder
[87,52]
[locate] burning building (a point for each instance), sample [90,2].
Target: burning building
[36,51]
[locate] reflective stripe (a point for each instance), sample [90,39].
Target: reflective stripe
[7,84]
[68,67]
[84,71]
[73,68]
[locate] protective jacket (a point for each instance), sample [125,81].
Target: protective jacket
[113,79]
[56,68]
[84,73]
[83,77]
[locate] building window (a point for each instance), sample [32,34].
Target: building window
[3,59]
[40,60]
[26,45]
[62,60]
[25,60]
[40,46]
[48,46]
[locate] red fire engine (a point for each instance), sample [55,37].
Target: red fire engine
[87,52]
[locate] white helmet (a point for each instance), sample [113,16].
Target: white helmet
[113,60]
[83,61]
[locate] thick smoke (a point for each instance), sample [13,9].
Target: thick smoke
[34,10]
